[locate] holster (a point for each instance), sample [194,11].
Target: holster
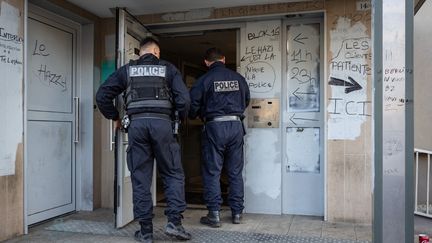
[176,123]
[125,123]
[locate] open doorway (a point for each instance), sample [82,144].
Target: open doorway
[186,51]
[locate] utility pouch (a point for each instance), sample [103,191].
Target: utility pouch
[244,128]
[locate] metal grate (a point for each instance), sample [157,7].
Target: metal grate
[198,235]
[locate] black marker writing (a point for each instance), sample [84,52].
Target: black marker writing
[40,49]
[264,33]
[51,77]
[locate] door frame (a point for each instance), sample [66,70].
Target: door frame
[323,97]
[85,77]
[240,23]
[189,32]
[123,194]
[199,27]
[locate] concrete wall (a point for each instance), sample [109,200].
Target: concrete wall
[422,77]
[107,50]
[349,121]
[11,104]
[233,12]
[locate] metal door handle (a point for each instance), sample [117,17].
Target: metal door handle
[77,119]
[111,128]
[120,58]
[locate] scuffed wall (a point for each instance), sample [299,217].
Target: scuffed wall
[11,105]
[348,79]
[107,49]
[233,12]
[349,111]
[261,65]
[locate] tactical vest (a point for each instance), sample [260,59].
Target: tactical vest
[147,87]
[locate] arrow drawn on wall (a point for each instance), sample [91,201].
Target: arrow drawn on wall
[293,118]
[296,93]
[353,86]
[299,39]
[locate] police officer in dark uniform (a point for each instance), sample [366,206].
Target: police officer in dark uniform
[153,90]
[219,98]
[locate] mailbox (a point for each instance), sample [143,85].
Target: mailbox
[263,113]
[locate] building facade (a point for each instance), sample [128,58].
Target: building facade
[309,142]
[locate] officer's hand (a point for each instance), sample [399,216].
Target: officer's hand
[117,124]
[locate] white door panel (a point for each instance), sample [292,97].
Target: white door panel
[49,80]
[303,173]
[51,120]
[51,161]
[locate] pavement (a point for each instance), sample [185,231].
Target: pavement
[98,226]
[422,225]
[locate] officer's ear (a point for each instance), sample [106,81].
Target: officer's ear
[156,51]
[207,63]
[223,60]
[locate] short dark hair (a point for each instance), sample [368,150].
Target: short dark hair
[213,54]
[148,41]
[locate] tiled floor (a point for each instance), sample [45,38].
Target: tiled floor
[255,227]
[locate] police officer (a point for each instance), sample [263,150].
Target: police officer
[153,90]
[219,98]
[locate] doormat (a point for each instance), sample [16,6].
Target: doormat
[198,235]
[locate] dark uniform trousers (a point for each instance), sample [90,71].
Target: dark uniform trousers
[222,145]
[151,138]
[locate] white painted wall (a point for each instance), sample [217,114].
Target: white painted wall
[261,65]
[197,8]
[11,93]
[85,145]
[350,46]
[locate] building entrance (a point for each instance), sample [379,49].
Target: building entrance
[186,51]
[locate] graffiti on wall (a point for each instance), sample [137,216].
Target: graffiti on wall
[11,69]
[303,72]
[260,59]
[395,92]
[348,105]
[43,72]
[260,55]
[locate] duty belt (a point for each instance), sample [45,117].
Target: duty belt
[150,116]
[223,118]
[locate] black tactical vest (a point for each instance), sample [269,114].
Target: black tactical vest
[147,87]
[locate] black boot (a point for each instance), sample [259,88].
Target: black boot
[237,218]
[177,231]
[145,234]
[212,219]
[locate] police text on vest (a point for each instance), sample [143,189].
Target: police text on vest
[225,86]
[147,70]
